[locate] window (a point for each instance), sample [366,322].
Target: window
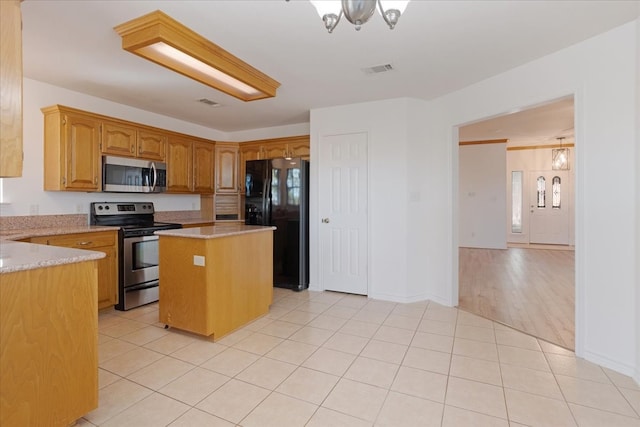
[275,183]
[516,201]
[555,190]
[542,203]
[293,186]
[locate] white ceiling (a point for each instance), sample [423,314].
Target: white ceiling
[437,47]
[539,125]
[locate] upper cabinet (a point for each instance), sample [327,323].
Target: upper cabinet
[129,141]
[11,87]
[203,166]
[190,165]
[293,146]
[151,145]
[179,165]
[226,168]
[76,140]
[71,150]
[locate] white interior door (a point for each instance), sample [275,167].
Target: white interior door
[549,213]
[343,212]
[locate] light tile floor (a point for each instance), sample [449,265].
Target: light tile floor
[330,359]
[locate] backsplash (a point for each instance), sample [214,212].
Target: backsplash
[78,220]
[42,221]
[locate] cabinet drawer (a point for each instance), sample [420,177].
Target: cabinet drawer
[79,241]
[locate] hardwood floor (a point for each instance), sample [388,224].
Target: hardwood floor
[528,289]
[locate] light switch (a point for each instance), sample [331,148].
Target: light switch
[198,260]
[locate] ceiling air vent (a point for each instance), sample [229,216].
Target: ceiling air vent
[377,69]
[209,102]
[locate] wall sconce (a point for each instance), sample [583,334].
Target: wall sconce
[165,41]
[560,157]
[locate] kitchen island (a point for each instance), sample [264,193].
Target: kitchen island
[48,334]
[214,280]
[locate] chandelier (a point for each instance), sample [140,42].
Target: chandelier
[358,12]
[560,157]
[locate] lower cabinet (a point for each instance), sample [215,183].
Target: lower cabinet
[102,241]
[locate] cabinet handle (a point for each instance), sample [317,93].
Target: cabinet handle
[95,180]
[85,243]
[133,149]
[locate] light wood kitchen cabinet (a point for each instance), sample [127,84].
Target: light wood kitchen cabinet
[128,141]
[71,150]
[227,291]
[226,168]
[179,165]
[11,86]
[203,166]
[150,145]
[49,335]
[102,241]
[118,140]
[292,146]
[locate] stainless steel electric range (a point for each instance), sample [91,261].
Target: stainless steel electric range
[138,260]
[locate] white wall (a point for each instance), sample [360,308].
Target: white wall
[26,196]
[537,160]
[271,132]
[601,73]
[637,375]
[385,124]
[482,196]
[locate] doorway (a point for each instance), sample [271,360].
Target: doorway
[529,282]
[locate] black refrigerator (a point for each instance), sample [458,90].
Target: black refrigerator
[277,193]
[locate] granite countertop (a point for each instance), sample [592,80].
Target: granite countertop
[190,221]
[18,234]
[18,256]
[222,230]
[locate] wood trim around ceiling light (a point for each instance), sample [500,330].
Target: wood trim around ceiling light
[540,147]
[157,27]
[486,141]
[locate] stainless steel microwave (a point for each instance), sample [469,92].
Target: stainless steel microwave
[126,175]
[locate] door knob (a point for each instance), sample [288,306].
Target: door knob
[325,220]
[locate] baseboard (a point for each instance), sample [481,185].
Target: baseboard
[614,365]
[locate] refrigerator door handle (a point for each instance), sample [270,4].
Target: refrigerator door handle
[268,203]
[265,195]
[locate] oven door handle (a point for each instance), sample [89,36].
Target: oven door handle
[155,176]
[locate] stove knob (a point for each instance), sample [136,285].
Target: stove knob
[99,208]
[107,207]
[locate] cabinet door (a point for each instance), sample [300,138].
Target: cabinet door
[108,278]
[248,152]
[11,83]
[82,137]
[179,166]
[203,160]
[118,140]
[226,168]
[103,241]
[151,145]
[275,151]
[299,149]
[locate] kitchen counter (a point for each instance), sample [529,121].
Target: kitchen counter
[215,231]
[26,233]
[18,256]
[215,279]
[49,334]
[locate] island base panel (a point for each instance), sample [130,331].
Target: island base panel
[234,287]
[49,353]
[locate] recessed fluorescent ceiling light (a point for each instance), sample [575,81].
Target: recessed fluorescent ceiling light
[163,40]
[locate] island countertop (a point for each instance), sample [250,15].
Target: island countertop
[215,231]
[18,256]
